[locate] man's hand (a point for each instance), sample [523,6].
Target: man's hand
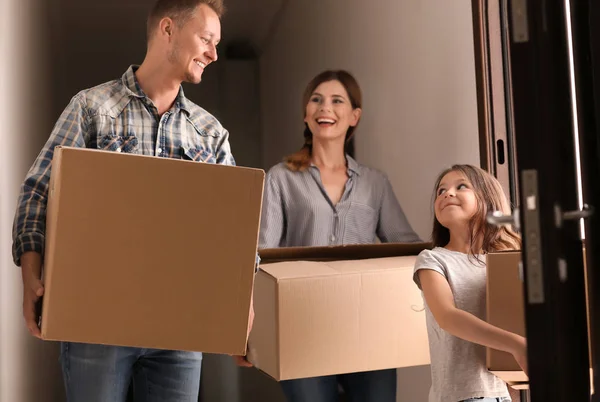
[251,316]
[33,290]
[241,360]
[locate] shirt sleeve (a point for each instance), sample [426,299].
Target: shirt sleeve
[393,227]
[224,154]
[427,260]
[29,224]
[273,222]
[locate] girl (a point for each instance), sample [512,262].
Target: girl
[452,277]
[321,196]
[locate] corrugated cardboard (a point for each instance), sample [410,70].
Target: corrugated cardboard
[150,252]
[333,310]
[505,309]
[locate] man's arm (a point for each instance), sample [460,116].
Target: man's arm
[30,218]
[224,155]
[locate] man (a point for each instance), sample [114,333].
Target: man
[144,112]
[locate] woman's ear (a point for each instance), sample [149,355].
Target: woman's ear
[356,113]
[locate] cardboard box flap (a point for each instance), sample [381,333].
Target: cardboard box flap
[511,377]
[311,269]
[336,253]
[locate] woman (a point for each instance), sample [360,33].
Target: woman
[321,196]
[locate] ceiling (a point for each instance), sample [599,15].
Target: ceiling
[251,20]
[245,21]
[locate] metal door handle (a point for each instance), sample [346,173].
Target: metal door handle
[497,218]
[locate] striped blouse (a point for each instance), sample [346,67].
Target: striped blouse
[298,212]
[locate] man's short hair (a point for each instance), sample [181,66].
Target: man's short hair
[179,11]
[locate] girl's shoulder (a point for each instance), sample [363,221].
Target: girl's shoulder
[436,253]
[432,259]
[446,259]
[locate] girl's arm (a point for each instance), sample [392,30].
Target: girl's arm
[461,324]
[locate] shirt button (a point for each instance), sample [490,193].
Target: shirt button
[118,149]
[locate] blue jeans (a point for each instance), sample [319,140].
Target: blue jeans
[99,373]
[371,386]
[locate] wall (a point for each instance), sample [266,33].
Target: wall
[29,369]
[414,61]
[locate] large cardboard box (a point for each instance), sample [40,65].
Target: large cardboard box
[505,309]
[334,310]
[150,252]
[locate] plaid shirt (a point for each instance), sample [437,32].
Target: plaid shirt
[116,116]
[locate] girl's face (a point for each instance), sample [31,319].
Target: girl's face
[329,112]
[455,202]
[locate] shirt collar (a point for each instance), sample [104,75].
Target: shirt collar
[134,89]
[353,166]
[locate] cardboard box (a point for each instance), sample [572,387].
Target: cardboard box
[150,252]
[505,309]
[333,310]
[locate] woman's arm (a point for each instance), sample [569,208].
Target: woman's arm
[272,223]
[393,227]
